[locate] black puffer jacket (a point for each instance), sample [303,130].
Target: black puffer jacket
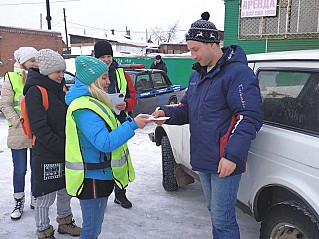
[160,66]
[49,129]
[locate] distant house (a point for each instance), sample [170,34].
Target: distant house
[180,48]
[271,26]
[84,45]
[152,49]
[172,48]
[11,38]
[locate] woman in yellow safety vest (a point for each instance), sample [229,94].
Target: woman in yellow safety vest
[11,95]
[96,150]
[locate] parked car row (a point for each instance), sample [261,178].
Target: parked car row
[153,88]
[281,185]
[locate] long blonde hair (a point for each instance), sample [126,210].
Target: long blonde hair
[20,68]
[24,75]
[98,92]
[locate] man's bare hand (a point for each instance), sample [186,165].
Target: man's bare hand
[141,121]
[225,167]
[159,113]
[121,106]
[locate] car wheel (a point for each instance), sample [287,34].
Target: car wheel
[172,101]
[289,220]
[168,166]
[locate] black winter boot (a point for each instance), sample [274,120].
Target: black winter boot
[120,198]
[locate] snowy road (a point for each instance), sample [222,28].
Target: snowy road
[156,214]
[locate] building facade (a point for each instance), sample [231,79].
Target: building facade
[11,38]
[84,45]
[272,25]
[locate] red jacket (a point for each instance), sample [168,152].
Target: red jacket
[130,98]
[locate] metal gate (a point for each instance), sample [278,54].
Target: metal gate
[294,19]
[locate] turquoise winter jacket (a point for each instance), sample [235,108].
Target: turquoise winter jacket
[94,137]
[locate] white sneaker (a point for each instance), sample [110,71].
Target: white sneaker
[33,201]
[19,205]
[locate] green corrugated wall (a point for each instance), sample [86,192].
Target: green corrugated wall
[259,46]
[293,44]
[178,69]
[231,30]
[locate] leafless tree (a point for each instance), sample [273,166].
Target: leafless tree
[165,35]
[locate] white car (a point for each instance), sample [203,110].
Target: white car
[280,187]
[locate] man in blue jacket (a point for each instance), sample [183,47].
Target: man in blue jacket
[224,110]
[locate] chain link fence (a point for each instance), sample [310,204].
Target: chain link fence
[294,19]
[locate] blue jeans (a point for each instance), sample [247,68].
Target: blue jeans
[221,196]
[92,217]
[19,159]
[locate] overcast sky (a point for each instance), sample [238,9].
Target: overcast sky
[91,16]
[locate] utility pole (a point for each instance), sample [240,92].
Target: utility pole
[49,18]
[146,36]
[40,20]
[66,31]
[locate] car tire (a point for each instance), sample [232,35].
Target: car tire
[168,166]
[291,219]
[172,101]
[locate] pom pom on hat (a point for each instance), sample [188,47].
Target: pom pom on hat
[203,30]
[23,54]
[89,69]
[50,61]
[205,16]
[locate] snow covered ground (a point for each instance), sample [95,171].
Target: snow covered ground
[156,214]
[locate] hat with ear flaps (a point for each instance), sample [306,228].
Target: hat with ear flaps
[89,69]
[203,30]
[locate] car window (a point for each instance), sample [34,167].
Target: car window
[159,81]
[69,78]
[133,76]
[291,98]
[143,83]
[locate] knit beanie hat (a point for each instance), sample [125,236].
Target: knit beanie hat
[49,62]
[158,57]
[203,30]
[88,69]
[102,48]
[23,54]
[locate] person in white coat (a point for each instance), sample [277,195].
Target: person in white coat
[11,95]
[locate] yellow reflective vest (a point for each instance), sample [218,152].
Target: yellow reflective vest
[17,86]
[121,80]
[121,164]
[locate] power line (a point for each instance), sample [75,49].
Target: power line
[103,29]
[115,30]
[58,23]
[32,3]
